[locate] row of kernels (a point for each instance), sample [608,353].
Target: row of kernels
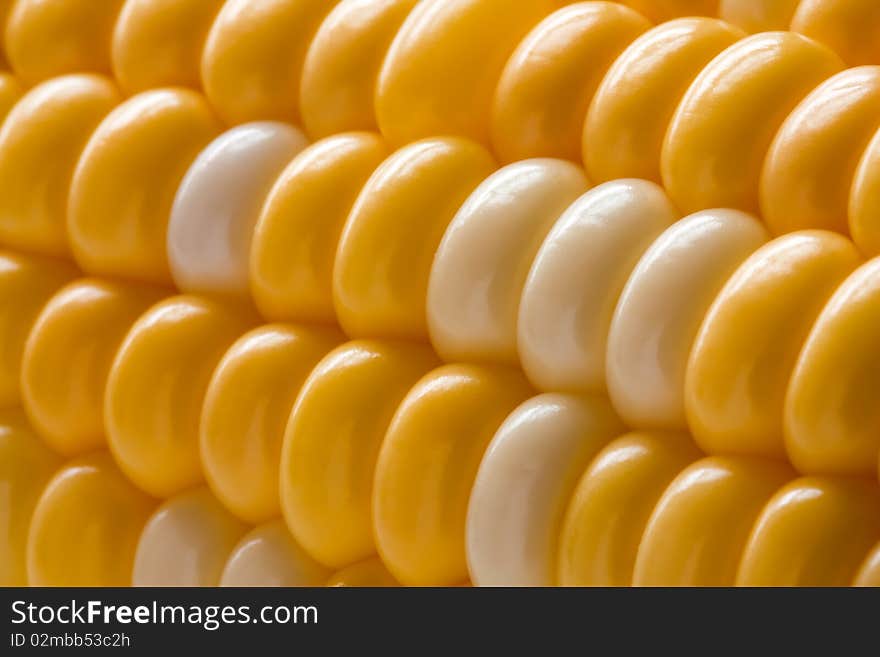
[647,512]
[715,145]
[709,134]
[245,44]
[103,503]
[707,502]
[176,31]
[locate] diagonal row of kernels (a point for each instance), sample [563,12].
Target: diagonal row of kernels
[526,107]
[361,283]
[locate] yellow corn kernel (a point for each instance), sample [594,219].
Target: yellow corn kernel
[548,82]
[699,528]
[68,355]
[427,467]
[385,253]
[194,524]
[253,58]
[86,526]
[218,203]
[716,144]
[124,184]
[576,278]
[634,104]
[247,405]
[295,239]
[26,284]
[758,15]
[40,143]
[524,482]
[48,38]
[443,66]
[482,264]
[369,573]
[864,202]
[269,556]
[832,420]
[332,443]
[662,307]
[746,349]
[869,573]
[814,532]
[26,465]
[611,505]
[157,385]
[849,27]
[158,43]
[810,167]
[342,65]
